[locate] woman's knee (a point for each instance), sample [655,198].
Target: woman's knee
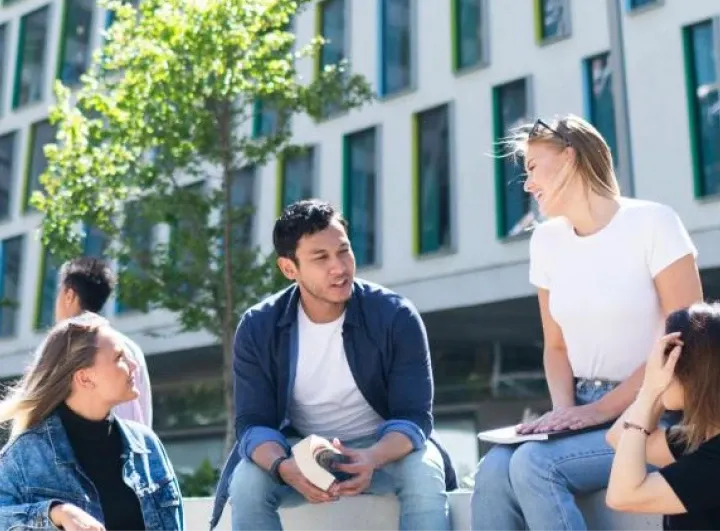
[530,463]
[494,467]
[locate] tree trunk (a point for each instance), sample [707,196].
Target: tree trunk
[228,385]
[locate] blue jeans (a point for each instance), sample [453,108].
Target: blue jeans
[533,485]
[418,480]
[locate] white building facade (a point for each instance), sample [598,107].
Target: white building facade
[434,214]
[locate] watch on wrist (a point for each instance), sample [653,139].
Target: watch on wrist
[275,469]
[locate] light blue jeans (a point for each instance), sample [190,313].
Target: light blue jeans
[533,485]
[418,480]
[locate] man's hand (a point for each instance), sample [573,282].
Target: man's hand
[71,518]
[362,465]
[290,473]
[568,418]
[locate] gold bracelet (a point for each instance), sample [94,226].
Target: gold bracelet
[634,426]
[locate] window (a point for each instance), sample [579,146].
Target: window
[265,120]
[138,234]
[75,54]
[331,25]
[32,53]
[41,133]
[95,245]
[360,172]
[636,4]
[432,165]
[470,33]
[7,166]
[511,109]
[599,98]
[11,261]
[297,177]
[242,198]
[701,60]
[395,46]
[552,20]
[3,66]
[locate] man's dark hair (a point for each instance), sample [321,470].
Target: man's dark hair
[92,279]
[302,218]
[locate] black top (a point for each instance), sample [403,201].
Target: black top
[694,478]
[97,446]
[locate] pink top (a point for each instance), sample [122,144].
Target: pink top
[140,409]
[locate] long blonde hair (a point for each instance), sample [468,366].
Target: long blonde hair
[70,346]
[592,162]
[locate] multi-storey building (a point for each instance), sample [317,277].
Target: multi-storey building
[435,214]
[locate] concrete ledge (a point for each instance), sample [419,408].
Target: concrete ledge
[377,513]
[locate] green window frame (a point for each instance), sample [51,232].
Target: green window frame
[296,177]
[31,66]
[469,31]
[701,44]
[553,21]
[360,193]
[12,263]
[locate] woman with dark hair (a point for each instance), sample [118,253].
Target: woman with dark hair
[682,374]
[70,464]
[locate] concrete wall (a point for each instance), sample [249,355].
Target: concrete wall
[381,513]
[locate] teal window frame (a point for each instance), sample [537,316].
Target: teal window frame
[10,280]
[39,87]
[95,245]
[70,71]
[360,193]
[510,174]
[406,40]
[705,184]
[432,197]
[604,121]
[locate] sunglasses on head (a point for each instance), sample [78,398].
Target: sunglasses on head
[539,125]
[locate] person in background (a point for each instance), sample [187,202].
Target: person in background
[85,284]
[337,357]
[608,269]
[682,374]
[70,463]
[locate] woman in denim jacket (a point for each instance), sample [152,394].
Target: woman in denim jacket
[69,463]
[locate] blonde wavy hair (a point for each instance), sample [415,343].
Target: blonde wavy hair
[70,346]
[591,163]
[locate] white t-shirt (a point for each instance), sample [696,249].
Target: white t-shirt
[601,286]
[325,399]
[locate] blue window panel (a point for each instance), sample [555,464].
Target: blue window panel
[395,46]
[361,197]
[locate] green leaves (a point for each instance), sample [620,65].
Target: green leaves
[148,148]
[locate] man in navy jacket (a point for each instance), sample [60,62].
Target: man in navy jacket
[337,357]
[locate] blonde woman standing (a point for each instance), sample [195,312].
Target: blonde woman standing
[608,270]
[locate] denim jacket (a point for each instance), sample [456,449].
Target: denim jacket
[38,468]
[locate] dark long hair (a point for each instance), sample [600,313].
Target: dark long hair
[698,370]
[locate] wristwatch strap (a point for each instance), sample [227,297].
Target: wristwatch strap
[275,469]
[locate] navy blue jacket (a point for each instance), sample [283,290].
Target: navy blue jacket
[388,354]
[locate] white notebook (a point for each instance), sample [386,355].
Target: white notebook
[509,434]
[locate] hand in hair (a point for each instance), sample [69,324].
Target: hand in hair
[71,518]
[660,367]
